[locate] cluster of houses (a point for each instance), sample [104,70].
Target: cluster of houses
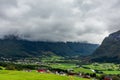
[70,73]
[65,72]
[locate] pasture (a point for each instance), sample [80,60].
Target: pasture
[22,75]
[63,66]
[106,68]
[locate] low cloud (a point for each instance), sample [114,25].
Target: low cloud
[59,20]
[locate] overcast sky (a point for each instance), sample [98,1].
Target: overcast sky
[60,20]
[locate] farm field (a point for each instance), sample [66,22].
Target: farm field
[111,72]
[58,71]
[22,75]
[106,68]
[103,66]
[63,66]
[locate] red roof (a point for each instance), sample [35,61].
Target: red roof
[41,70]
[107,78]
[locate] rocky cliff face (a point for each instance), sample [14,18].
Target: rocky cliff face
[109,50]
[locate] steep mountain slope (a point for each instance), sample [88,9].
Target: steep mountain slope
[109,50]
[14,47]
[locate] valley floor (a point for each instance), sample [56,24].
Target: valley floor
[33,75]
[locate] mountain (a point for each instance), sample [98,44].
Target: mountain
[109,50]
[12,46]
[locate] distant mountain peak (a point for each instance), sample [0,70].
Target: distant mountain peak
[11,37]
[109,50]
[115,33]
[115,36]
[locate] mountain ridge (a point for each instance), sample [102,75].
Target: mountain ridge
[109,50]
[12,46]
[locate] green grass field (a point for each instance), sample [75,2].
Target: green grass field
[106,68]
[103,66]
[82,70]
[22,75]
[64,66]
[71,66]
[111,72]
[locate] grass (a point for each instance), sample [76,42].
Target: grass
[106,68]
[103,66]
[22,75]
[111,72]
[71,66]
[63,66]
[82,70]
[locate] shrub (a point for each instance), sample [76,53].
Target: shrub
[115,78]
[10,67]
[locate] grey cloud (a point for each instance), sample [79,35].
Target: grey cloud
[59,20]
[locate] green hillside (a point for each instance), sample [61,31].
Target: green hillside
[109,50]
[15,47]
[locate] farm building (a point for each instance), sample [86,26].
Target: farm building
[107,78]
[42,70]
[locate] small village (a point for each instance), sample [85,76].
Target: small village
[62,69]
[70,73]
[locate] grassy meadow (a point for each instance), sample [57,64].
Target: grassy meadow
[22,75]
[19,71]
[106,68]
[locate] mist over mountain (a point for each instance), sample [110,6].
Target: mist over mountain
[109,50]
[13,46]
[59,20]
